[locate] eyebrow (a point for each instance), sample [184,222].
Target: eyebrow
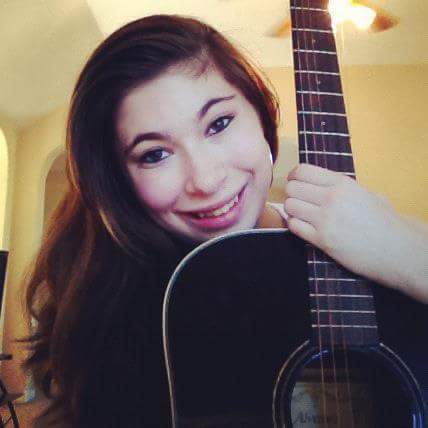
[139,138]
[143,137]
[204,110]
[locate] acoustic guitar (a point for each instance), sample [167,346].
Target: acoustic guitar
[264,330]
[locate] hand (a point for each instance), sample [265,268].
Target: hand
[357,228]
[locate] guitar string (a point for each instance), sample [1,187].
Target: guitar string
[321,162]
[362,332]
[338,164]
[353,307]
[310,249]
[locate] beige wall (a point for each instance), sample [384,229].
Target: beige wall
[386,107]
[10,135]
[4,181]
[36,150]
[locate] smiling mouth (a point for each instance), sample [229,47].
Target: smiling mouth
[220,211]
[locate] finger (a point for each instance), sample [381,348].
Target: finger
[301,210]
[306,192]
[314,175]
[302,229]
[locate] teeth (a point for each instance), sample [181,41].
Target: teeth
[220,211]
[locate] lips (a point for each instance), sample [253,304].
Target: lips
[219,216]
[219,211]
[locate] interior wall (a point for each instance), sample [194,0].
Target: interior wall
[36,150]
[10,134]
[4,181]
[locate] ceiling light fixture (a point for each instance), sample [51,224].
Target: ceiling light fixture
[344,10]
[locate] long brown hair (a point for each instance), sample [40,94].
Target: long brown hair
[97,283]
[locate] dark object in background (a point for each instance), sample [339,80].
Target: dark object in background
[3,263]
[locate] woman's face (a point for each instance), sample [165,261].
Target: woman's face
[195,151]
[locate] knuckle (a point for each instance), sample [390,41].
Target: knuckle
[290,187]
[301,169]
[288,204]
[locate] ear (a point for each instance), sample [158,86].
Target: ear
[271,163]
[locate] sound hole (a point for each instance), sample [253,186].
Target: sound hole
[362,391]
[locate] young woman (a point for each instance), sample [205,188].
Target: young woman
[171,138]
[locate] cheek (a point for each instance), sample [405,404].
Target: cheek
[251,152]
[249,148]
[155,192]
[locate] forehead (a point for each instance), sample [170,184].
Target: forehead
[173,95]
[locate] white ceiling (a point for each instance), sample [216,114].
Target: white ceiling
[44,43]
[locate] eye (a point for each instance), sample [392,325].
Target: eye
[219,125]
[153,156]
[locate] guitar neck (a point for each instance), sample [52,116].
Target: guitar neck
[323,129]
[342,307]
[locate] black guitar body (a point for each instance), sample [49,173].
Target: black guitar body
[238,344]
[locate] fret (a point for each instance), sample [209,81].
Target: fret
[343,326]
[333,302]
[316,63]
[357,296]
[326,73]
[309,8]
[333,279]
[316,41]
[329,143]
[317,254]
[327,83]
[322,123]
[326,268]
[335,134]
[319,4]
[321,113]
[342,311]
[324,153]
[312,51]
[355,318]
[312,30]
[342,164]
[320,103]
[333,94]
[329,288]
[310,22]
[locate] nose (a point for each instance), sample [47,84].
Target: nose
[206,173]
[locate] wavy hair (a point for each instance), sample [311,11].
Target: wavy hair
[98,280]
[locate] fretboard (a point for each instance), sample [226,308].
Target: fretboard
[323,128]
[342,307]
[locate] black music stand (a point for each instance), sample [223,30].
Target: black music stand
[6,398]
